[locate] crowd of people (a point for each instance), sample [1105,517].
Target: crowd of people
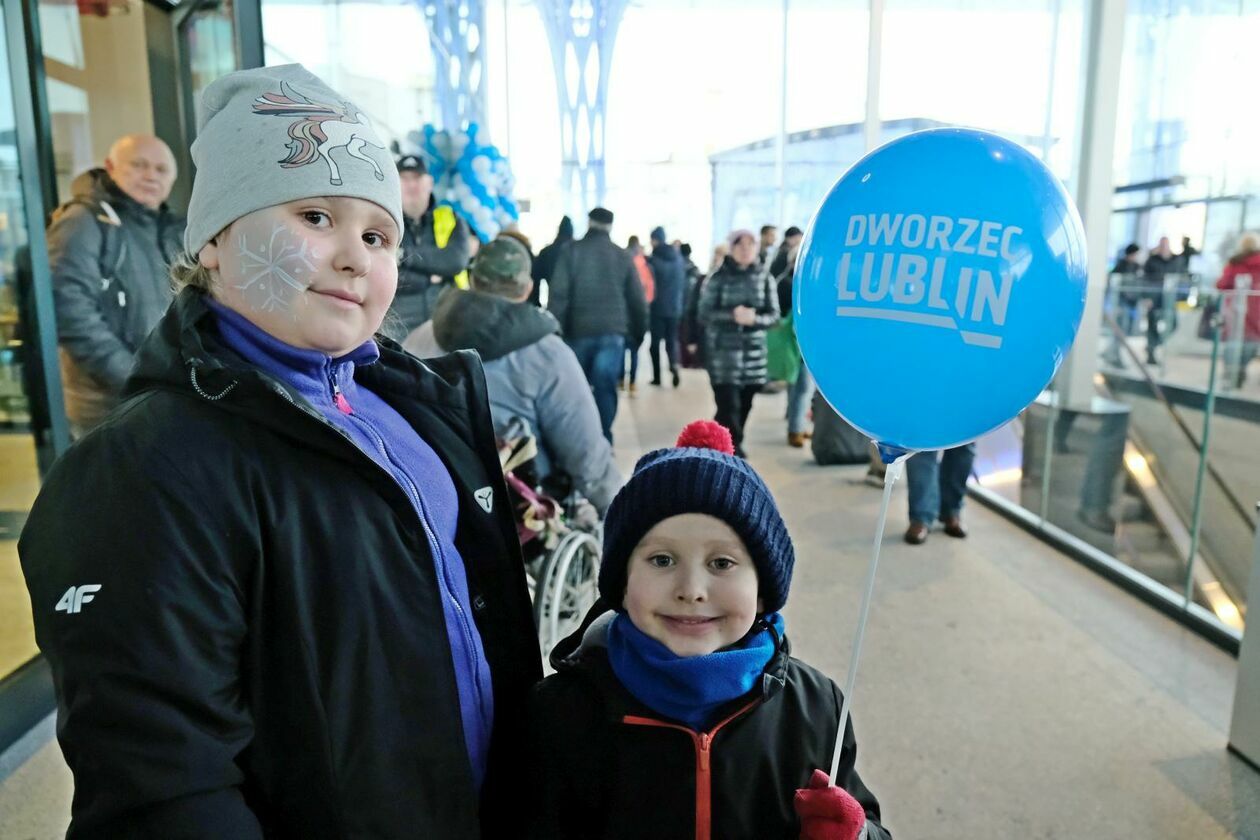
[1145,281]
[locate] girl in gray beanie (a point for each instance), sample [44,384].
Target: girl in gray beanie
[306,613]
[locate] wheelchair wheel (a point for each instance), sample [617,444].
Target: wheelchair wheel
[565,589]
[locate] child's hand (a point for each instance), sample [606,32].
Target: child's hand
[828,812]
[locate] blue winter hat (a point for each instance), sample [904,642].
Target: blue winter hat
[700,475]
[658,234]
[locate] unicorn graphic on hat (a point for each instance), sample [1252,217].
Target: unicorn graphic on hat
[318,129]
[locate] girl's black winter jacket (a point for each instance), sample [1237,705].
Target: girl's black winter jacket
[264,652]
[608,768]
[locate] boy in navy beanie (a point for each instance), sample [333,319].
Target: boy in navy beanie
[677,711]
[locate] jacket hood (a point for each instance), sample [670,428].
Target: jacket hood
[1251,258]
[491,325]
[96,186]
[565,232]
[665,251]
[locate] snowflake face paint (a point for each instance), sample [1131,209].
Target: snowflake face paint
[275,269]
[315,273]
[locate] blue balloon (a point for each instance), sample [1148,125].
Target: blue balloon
[939,287]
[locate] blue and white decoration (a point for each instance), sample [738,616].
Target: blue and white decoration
[470,175]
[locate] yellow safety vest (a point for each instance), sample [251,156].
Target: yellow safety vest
[443,226]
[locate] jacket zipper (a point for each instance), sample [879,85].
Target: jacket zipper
[413,495]
[703,744]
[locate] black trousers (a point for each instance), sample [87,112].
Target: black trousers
[733,404]
[664,330]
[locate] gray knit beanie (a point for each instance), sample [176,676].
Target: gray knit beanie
[273,135]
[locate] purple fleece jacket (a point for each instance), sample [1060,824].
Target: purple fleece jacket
[385,437]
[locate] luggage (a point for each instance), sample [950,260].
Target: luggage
[834,440]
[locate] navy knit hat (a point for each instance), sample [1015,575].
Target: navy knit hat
[700,475]
[657,234]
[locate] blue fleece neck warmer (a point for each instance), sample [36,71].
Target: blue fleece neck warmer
[689,689]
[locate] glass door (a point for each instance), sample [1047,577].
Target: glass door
[25,419]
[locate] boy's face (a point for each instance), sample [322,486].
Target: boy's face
[692,585]
[318,273]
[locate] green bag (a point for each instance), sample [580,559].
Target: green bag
[783,356]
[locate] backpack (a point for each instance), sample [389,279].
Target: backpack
[113,245]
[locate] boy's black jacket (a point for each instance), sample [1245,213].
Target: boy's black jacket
[598,777]
[266,655]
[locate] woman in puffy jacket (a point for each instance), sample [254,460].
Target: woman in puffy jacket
[1244,264]
[737,305]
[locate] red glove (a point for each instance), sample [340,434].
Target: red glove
[828,812]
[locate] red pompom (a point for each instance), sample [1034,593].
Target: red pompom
[706,434]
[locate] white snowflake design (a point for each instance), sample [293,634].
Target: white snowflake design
[275,271]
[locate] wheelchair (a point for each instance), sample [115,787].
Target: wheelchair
[561,554]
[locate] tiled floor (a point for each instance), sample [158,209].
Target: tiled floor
[1006,693]
[19,483]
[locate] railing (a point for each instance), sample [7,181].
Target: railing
[1159,473]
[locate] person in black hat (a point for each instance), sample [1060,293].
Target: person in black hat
[545,263]
[596,296]
[436,249]
[677,710]
[791,239]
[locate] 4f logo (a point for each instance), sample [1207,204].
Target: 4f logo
[76,596]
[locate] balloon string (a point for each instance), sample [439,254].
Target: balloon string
[890,478]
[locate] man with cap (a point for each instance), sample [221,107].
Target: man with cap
[596,296]
[436,247]
[531,374]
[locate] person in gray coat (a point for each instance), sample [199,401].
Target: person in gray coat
[738,303]
[110,248]
[531,373]
[596,296]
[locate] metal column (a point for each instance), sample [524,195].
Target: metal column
[874,57]
[1094,185]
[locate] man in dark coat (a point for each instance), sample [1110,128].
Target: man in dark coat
[667,306]
[436,248]
[531,374]
[598,300]
[110,248]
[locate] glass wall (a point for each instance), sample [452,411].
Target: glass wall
[374,51]
[1160,472]
[939,61]
[19,388]
[97,71]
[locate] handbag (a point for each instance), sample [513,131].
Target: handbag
[783,355]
